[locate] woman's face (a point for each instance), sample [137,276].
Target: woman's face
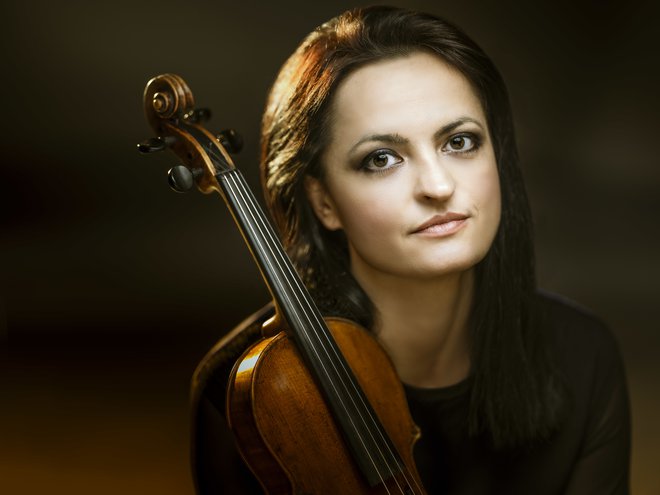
[410,172]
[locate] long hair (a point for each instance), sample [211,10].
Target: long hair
[515,397]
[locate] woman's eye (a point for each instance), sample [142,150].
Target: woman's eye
[461,143]
[380,160]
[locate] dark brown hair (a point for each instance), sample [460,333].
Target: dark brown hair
[515,396]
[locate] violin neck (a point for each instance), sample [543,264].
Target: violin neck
[351,409]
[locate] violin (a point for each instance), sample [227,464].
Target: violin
[316,406]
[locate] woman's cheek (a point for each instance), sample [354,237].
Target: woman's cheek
[368,215]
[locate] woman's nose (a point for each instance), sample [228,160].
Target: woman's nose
[434,181]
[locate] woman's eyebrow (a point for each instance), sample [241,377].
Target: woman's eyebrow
[381,138]
[446,129]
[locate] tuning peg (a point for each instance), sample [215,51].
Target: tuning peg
[198,115]
[231,140]
[155,144]
[180,178]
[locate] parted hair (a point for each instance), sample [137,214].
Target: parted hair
[516,396]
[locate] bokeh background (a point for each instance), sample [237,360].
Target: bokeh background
[112,287]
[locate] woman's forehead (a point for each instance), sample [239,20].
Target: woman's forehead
[416,89]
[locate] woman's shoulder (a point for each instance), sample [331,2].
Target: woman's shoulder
[585,348]
[571,324]
[211,375]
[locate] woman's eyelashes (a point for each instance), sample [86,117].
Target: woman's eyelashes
[380,160]
[463,143]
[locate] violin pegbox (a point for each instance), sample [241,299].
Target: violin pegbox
[170,110]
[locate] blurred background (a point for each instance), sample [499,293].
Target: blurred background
[112,287]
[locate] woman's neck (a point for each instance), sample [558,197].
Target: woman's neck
[423,325]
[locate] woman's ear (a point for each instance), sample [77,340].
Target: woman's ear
[322,204]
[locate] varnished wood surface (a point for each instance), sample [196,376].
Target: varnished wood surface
[284,428]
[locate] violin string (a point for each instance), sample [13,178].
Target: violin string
[269,234]
[246,196]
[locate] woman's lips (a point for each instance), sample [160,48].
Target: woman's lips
[441,225]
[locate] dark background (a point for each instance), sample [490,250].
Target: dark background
[112,287]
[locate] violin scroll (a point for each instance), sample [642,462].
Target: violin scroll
[169,107]
[165,97]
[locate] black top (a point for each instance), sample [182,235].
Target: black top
[588,455]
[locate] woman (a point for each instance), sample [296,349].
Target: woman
[390,168]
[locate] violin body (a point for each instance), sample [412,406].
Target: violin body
[284,429]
